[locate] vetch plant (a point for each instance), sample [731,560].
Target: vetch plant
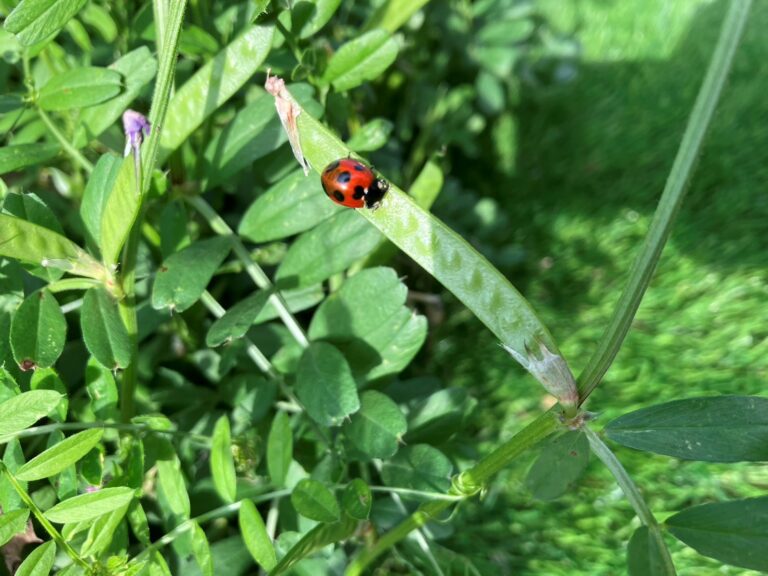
[207,366]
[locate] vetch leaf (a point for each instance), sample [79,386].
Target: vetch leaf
[313,500]
[119,212]
[357,499]
[325,385]
[255,536]
[39,562]
[102,390]
[279,448]
[213,85]
[716,429]
[222,463]
[436,418]
[38,331]
[12,523]
[202,550]
[394,13]
[419,467]
[100,184]
[102,532]
[89,506]
[377,427]
[733,532]
[172,489]
[371,136]
[183,277]
[253,133]
[36,20]
[48,379]
[79,88]
[361,60]
[236,321]
[295,204]
[647,554]
[309,16]
[13,158]
[104,333]
[317,538]
[296,300]
[60,456]
[380,339]
[23,410]
[561,463]
[329,248]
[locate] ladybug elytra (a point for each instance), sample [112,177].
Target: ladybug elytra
[351,183]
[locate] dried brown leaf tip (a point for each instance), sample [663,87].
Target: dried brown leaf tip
[288,110]
[551,370]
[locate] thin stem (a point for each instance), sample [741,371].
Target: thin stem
[671,198]
[133,428]
[258,275]
[420,493]
[44,522]
[73,152]
[73,284]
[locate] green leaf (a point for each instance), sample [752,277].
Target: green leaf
[36,20]
[183,277]
[61,455]
[100,183]
[137,68]
[253,133]
[40,560]
[202,550]
[295,204]
[222,463]
[361,60]
[79,88]
[419,467]
[89,506]
[427,185]
[325,385]
[381,339]
[104,333]
[279,448]
[371,136]
[103,531]
[28,242]
[119,212]
[394,13]
[171,488]
[13,459]
[25,409]
[357,499]
[14,158]
[38,331]
[213,85]
[137,519]
[48,379]
[309,16]
[313,500]
[297,300]
[255,536]
[733,532]
[236,321]
[317,538]
[436,418]
[647,554]
[439,250]
[12,523]
[376,429]
[102,390]
[717,429]
[174,233]
[562,462]
[331,247]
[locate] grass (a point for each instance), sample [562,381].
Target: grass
[593,155]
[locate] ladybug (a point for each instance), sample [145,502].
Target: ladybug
[353,184]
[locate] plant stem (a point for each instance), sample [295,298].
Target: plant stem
[73,152]
[44,522]
[671,199]
[258,275]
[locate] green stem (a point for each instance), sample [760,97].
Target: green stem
[631,492]
[671,198]
[73,284]
[144,169]
[44,522]
[65,143]
[258,275]
[142,429]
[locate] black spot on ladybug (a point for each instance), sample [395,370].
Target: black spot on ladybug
[359,192]
[343,178]
[338,195]
[332,166]
[359,167]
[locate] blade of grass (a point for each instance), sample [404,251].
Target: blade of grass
[671,199]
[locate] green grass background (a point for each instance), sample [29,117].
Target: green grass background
[592,156]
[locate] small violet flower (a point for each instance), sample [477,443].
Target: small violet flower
[136,126]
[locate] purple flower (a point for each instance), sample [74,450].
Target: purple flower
[136,126]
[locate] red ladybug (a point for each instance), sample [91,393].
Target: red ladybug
[353,184]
